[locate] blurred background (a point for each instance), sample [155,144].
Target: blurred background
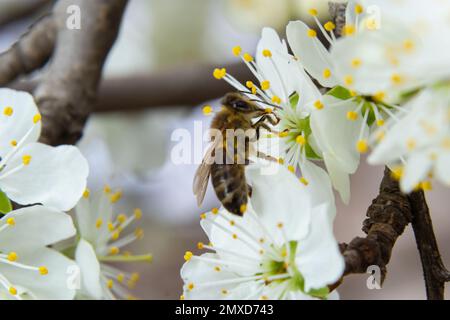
[157,79]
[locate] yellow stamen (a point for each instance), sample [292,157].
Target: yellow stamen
[408,45]
[37,118]
[11,221]
[426,185]
[107,188]
[219,73]
[379,96]
[12,291]
[397,172]
[411,144]
[200,245]
[304,181]
[237,50]
[267,53]
[265,85]
[207,110]
[291,168]
[359,9]
[276,100]
[362,146]
[380,122]
[12,256]
[13,143]
[313,12]
[281,161]
[329,26]
[318,105]
[326,73]
[26,159]
[215,211]
[8,111]
[248,57]
[114,250]
[86,193]
[352,115]
[43,271]
[115,197]
[190,286]
[348,30]
[98,223]
[301,140]
[356,63]
[137,213]
[396,78]
[110,283]
[188,255]
[311,33]
[348,80]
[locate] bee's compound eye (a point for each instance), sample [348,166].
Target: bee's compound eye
[241,105]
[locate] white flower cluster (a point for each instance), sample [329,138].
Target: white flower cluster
[42,254]
[384,85]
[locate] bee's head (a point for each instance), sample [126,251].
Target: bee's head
[241,104]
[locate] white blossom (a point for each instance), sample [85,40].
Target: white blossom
[101,242]
[282,248]
[32,172]
[28,268]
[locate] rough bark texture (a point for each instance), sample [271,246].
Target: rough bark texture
[434,271]
[175,87]
[387,217]
[30,52]
[67,93]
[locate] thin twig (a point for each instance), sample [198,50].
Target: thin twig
[434,272]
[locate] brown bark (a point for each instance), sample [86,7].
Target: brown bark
[434,272]
[387,217]
[67,92]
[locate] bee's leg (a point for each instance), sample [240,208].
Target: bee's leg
[250,190]
[261,124]
[273,121]
[264,156]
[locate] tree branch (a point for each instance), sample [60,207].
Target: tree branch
[387,217]
[186,85]
[14,10]
[434,272]
[30,52]
[67,92]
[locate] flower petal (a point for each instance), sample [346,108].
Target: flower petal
[90,270]
[311,52]
[335,134]
[55,176]
[52,286]
[280,198]
[416,169]
[203,281]
[318,258]
[338,176]
[16,119]
[276,68]
[35,227]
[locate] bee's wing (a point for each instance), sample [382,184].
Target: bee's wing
[202,174]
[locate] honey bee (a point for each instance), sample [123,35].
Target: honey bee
[228,177]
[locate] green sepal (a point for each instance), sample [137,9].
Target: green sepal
[5,203]
[340,93]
